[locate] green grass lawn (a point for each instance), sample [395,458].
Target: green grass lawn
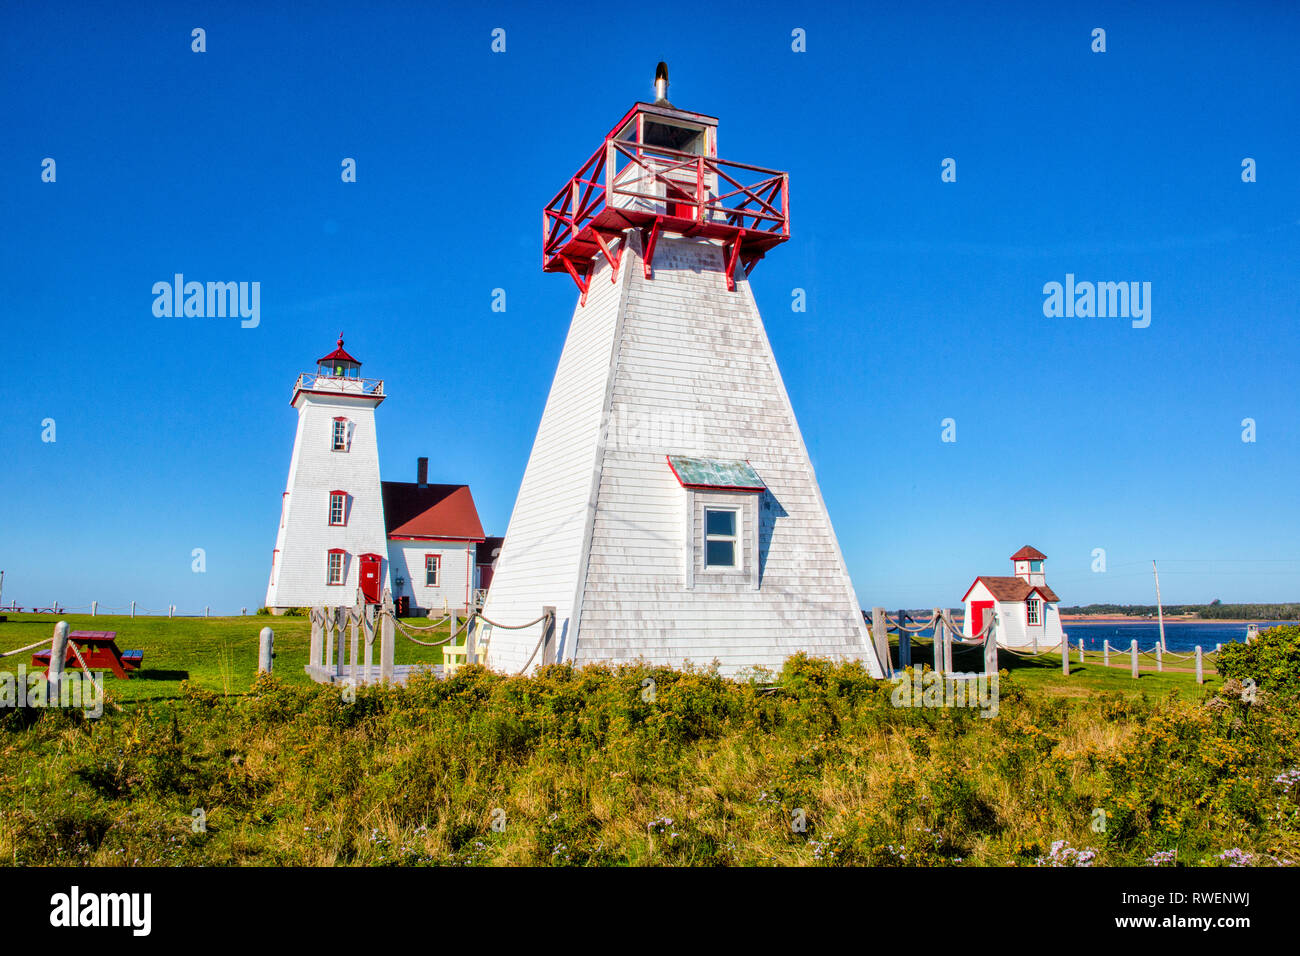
[217,653]
[1043,672]
[220,654]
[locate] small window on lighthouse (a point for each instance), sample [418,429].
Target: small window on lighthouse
[334,568]
[340,442]
[1036,566]
[720,538]
[1034,610]
[338,506]
[431,565]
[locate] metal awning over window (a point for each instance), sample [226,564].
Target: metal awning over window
[716,474]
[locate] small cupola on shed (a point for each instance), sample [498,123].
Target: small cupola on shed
[1028,565]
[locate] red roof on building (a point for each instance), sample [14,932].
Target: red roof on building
[430,511]
[338,355]
[1012,588]
[1028,553]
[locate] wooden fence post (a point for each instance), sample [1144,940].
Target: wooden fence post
[355,617]
[265,650]
[880,638]
[1065,655]
[1105,652]
[1080,650]
[171,609]
[94,607]
[939,637]
[1133,655]
[548,643]
[314,655]
[948,637]
[990,654]
[58,654]
[340,639]
[207,611]
[1200,672]
[1160,658]
[133,610]
[386,629]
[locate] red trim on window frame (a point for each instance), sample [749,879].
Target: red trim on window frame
[343,571]
[438,559]
[330,515]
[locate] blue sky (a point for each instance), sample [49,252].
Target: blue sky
[925,298]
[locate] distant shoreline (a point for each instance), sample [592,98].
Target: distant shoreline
[1177,618]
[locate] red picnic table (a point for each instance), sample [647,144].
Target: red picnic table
[100,652]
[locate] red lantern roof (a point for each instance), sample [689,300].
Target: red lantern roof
[338,355]
[1027,553]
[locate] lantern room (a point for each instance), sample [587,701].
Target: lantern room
[338,364]
[658,171]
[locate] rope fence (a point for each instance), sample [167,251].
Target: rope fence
[947,640]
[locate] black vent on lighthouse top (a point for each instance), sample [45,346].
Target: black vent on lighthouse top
[661,85]
[422,472]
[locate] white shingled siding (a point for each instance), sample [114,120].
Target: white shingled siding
[305,535]
[541,556]
[675,364]
[406,559]
[696,376]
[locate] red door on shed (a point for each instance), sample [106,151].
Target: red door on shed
[370,567]
[978,610]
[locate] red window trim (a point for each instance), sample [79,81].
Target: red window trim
[343,576]
[438,558]
[329,516]
[347,442]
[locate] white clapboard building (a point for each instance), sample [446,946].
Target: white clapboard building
[669,510]
[343,530]
[1028,611]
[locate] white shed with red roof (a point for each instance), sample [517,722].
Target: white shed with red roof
[1027,609]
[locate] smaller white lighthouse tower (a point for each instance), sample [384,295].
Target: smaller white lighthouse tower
[331,539]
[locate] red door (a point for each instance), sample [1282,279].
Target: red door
[370,567]
[978,609]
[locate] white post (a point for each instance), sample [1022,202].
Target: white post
[317,637]
[207,611]
[1160,658]
[947,650]
[171,609]
[1080,650]
[939,632]
[1200,673]
[1133,654]
[94,607]
[243,611]
[132,609]
[58,653]
[386,639]
[1217,648]
[1105,652]
[1159,609]
[265,650]
[1065,656]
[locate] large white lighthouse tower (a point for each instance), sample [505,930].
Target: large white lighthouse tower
[669,511]
[331,539]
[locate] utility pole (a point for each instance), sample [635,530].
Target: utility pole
[1160,614]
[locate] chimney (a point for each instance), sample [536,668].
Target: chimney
[422,472]
[661,84]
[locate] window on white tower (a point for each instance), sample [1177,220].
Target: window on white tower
[1034,611]
[432,564]
[334,568]
[340,441]
[720,539]
[338,507]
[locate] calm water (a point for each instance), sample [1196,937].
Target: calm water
[1180,636]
